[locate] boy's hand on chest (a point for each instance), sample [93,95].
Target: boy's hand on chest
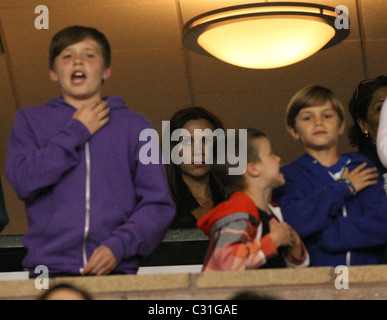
[94,116]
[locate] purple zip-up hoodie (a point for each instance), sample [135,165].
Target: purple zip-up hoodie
[83,191]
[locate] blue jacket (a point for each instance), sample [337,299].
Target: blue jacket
[312,202]
[84,191]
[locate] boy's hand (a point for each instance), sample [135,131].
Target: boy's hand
[94,116]
[281,233]
[101,262]
[361,178]
[296,249]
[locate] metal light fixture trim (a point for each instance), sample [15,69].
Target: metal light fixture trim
[317,16]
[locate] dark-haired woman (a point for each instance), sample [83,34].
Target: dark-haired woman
[365,107]
[192,184]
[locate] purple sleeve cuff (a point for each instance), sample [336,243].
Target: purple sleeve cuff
[80,130]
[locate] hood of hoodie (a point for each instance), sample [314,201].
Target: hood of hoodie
[238,202]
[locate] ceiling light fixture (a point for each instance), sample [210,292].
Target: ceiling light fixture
[265,35]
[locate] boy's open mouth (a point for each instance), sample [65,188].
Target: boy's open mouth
[319,132]
[78,77]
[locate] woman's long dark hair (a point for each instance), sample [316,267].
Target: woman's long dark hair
[178,120]
[358,108]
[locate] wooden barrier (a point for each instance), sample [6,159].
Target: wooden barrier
[365,282]
[187,247]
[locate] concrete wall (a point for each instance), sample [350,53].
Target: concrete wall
[366,282]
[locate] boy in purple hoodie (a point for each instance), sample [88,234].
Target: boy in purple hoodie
[92,206]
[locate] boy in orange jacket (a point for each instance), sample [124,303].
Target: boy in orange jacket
[247,231]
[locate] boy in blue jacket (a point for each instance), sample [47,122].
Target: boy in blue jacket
[92,206]
[335,202]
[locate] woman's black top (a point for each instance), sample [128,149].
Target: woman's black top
[371,153]
[184,219]
[279,260]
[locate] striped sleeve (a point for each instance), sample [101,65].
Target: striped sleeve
[236,247]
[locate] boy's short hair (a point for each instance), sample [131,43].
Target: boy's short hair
[309,96]
[75,34]
[231,183]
